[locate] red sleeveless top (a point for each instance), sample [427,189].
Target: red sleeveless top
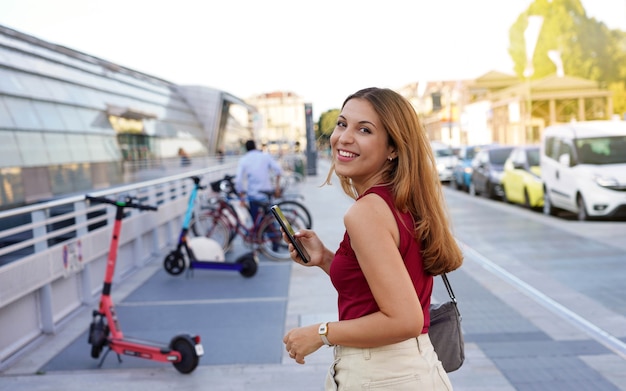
[355,299]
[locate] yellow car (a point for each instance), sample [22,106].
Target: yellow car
[522,177]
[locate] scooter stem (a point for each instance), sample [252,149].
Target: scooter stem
[192,200]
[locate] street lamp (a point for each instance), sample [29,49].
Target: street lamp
[555,56]
[531,36]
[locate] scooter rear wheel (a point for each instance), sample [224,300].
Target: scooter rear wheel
[174,263]
[188,358]
[249,265]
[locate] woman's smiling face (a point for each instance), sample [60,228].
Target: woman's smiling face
[360,144]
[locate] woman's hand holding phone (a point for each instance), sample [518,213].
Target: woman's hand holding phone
[290,233]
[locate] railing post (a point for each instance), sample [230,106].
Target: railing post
[152,199]
[139,259]
[85,283]
[174,223]
[81,230]
[45,309]
[39,230]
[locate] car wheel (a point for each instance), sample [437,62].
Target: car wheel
[526,200]
[505,197]
[491,191]
[472,189]
[548,209]
[582,211]
[466,186]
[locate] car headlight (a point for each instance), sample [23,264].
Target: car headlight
[497,175]
[605,181]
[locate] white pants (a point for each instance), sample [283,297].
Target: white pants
[408,365]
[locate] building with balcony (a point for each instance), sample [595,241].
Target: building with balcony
[282,120]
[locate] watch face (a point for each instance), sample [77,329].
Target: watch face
[323,329]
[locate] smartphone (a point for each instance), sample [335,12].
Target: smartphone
[278,214]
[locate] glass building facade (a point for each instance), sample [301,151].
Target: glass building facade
[71,122]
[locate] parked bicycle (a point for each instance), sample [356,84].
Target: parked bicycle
[222,218]
[225,189]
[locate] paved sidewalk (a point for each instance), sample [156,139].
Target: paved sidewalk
[311,299]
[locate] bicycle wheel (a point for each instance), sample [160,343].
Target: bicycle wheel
[229,215]
[212,224]
[291,179]
[215,207]
[293,210]
[270,238]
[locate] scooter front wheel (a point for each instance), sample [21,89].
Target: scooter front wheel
[174,263]
[98,336]
[189,359]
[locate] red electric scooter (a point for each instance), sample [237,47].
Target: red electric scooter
[183,351]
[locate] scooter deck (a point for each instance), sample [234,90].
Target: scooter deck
[215,265]
[164,349]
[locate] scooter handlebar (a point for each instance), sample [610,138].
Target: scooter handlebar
[128,202]
[197,180]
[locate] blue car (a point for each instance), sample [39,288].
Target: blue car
[462,171]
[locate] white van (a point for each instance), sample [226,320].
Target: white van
[583,169]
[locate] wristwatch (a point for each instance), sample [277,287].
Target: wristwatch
[323,332]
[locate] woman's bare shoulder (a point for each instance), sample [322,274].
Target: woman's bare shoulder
[369,209]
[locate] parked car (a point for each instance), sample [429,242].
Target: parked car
[445,159]
[522,177]
[583,169]
[487,169]
[462,171]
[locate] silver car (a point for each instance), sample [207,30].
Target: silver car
[445,159]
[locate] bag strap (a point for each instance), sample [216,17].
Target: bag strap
[448,287]
[452,297]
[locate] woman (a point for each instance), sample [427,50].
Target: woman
[397,238]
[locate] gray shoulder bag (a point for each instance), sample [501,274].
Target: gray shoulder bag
[445,331]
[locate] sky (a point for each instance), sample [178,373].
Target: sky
[321,50]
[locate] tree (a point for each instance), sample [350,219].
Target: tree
[588,48]
[619,97]
[325,127]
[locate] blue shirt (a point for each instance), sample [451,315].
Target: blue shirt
[254,174]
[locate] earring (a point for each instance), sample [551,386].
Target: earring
[390,158]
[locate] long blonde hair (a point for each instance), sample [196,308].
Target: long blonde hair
[413,177]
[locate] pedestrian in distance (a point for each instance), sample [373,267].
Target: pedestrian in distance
[256,170]
[184,157]
[397,239]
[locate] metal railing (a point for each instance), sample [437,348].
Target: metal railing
[53,254]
